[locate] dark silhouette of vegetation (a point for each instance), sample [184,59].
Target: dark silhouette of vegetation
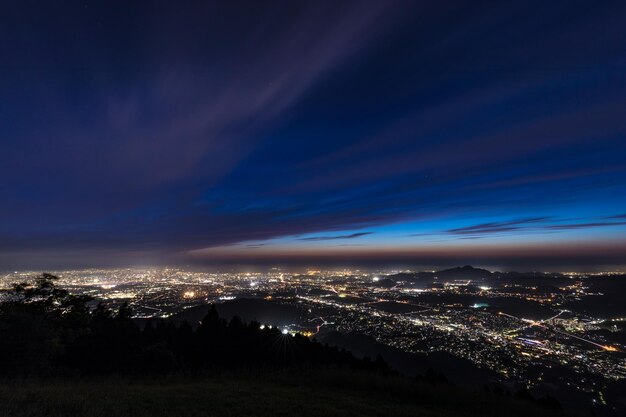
[433,377]
[45,330]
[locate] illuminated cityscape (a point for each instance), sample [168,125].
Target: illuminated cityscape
[526,328]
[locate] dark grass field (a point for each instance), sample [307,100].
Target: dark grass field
[320,393]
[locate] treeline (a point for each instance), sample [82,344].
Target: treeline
[45,330]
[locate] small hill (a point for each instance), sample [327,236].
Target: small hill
[385,283]
[457,370]
[464,272]
[248,309]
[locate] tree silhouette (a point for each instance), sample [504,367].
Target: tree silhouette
[46,330]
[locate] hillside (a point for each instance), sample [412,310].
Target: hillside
[287,393]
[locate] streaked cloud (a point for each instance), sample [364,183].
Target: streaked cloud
[350,236]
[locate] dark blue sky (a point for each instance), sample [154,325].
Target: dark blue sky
[415,132]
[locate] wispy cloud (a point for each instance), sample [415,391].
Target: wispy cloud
[497,227]
[535,224]
[573,226]
[350,236]
[254,245]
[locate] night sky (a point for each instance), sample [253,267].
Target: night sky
[313,132]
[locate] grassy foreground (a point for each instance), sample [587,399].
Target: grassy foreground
[331,393]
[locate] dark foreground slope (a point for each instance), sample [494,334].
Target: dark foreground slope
[286,393]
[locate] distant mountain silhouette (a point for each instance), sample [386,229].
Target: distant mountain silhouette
[457,273]
[464,272]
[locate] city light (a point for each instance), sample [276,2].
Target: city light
[435,316]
